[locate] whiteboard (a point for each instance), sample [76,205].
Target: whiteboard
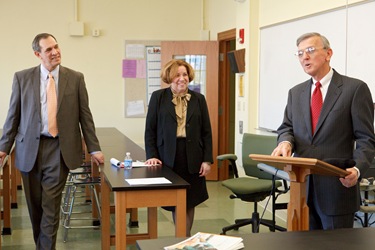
[361,44]
[353,46]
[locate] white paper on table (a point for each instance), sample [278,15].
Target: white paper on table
[148,181]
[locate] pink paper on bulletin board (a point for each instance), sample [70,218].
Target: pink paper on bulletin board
[129,68]
[133,68]
[141,69]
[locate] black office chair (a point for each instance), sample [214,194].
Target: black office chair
[257,188]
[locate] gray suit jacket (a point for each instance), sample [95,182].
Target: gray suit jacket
[345,130]
[161,127]
[23,122]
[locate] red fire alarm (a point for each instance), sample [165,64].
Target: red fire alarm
[241,36]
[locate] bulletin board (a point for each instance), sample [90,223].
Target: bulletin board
[141,72]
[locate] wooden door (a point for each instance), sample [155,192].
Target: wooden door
[210,52]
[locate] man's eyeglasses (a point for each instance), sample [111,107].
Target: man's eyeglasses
[309,51]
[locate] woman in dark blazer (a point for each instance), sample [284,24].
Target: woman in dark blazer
[178,133]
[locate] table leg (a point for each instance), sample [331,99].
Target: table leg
[152,224]
[181,213]
[6,200]
[106,213]
[120,224]
[13,176]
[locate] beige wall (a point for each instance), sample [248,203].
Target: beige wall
[272,12]
[99,58]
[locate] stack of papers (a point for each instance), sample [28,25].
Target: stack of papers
[206,241]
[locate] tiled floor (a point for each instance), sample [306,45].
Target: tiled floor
[211,216]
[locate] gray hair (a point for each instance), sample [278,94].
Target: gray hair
[35,44]
[305,36]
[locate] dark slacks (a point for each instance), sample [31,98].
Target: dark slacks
[319,220]
[43,187]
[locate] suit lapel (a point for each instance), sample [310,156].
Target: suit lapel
[305,105]
[63,82]
[36,89]
[167,102]
[333,94]
[192,105]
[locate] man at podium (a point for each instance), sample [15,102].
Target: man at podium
[329,117]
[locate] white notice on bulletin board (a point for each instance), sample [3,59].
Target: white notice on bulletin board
[135,108]
[135,51]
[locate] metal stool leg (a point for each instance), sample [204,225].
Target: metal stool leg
[69,201]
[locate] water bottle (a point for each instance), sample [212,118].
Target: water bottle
[128,162]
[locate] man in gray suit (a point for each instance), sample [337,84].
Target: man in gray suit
[343,134]
[44,159]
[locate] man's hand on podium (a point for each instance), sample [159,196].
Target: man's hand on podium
[283,149]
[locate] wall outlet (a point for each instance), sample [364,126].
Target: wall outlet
[96,32]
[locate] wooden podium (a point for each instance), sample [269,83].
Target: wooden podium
[298,169]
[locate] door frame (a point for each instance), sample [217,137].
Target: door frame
[224,38]
[211,49]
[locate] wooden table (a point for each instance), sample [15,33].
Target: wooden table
[114,144]
[9,192]
[5,167]
[343,239]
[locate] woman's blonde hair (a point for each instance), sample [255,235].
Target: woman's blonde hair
[171,68]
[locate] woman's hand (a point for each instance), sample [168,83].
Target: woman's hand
[153,162]
[205,169]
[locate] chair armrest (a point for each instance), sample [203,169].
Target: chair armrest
[232,159]
[226,157]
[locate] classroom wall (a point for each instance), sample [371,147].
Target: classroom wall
[99,58]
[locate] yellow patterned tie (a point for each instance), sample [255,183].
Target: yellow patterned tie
[52,106]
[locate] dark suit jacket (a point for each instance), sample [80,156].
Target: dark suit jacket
[345,130]
[23,123]
[161,127]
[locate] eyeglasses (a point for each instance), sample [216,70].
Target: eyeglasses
[309,51]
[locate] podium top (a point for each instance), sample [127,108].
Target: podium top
[314,166]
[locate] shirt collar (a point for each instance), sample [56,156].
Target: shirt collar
[44,72]
[326,79]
